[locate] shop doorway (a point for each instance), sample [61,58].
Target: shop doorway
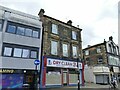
[64,78]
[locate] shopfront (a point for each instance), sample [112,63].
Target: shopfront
[15,78]
[61,73]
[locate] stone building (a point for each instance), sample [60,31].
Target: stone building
[62,45]
[101,62]
[19,47]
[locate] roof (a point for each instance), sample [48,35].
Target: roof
[94,45]
[62,22]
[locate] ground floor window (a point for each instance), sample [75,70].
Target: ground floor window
[53,76]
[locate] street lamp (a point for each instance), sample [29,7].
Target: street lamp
[78,72]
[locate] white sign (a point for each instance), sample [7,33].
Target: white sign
[62,63]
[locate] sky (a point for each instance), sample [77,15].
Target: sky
[98,19]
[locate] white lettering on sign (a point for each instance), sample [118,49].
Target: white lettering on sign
[62,63]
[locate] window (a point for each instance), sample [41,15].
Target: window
[20,30]
[28,32]
[35,34]
[98,50]
[17,52]
[20,51]
[87,52]
[100,60]
[74,35]
[74,49]
[33,54]
[11,29]
[54,47]
[54,29]
[65,50]
[7,51]
[25,53]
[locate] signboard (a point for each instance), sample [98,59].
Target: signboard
[36,62]
[62,63]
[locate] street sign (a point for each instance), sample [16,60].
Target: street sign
[37,62]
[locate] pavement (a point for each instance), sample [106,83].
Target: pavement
[87,86]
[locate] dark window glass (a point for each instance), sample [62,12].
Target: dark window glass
[7,51]
[35,34]
[17,52]
[33,54]
[20,30]
[28,32]
[11,29]
[25,53]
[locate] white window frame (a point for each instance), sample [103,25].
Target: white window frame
[65,49]
[74,35]
[98,50]
[87,52]
[7,51]
[54,28]
[74,51]
[54,47]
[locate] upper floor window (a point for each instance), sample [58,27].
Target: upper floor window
[19,51]
[35,34]
[54,29]
[7,51]
[86,52]
[54,46]
[74,51]
[100,60]
[74,35]
[98,50]
[26,53]
[11,29]
[23,30]
[65,50]
[33,54]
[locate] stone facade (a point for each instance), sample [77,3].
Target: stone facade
[60,68]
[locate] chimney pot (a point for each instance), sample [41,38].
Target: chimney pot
[69,22]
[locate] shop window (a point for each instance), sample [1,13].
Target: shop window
[54,45]
[74,49]
[28,32]
[17,52]
[74,35]
[20,30]
[11,29]
[25,53]
[7,51]
[54,29]
[65,50]
[33,54]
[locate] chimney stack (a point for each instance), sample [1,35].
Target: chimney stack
[69,22]
[111,38]
[41,13]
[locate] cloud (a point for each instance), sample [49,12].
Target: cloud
[97,18]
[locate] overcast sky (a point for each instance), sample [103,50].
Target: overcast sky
[98,19]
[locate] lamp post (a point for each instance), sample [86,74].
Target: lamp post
[78,72]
